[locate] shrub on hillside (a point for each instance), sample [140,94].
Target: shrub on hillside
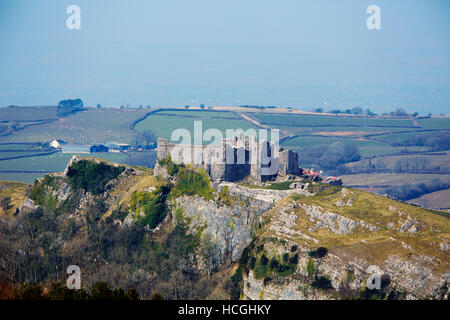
[150,207]
[91,176]
[172,167]
[319,253]
[192,182]
[321,283]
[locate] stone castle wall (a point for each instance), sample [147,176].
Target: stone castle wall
[250,159]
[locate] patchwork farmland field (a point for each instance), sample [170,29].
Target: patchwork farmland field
[16,150]
[394,138]
[435,123]
[27,113]
[90,126]
[331,121]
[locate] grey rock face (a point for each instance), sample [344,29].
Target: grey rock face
[27,206]
[342,203]
[160,171]
[63,192]
[410,225]
[69,164]
[285,223]
[293,289]
[334,222]
[229,228]
[264,197]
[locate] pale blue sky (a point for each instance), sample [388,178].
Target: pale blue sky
[177,52]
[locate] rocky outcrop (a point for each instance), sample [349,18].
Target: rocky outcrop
[410,225]
[332,221]
[161,171]
[27,206]
[265,197]
[413,279]
[292,289]
[229,228]
[62,193]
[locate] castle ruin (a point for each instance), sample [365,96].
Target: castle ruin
[235,159]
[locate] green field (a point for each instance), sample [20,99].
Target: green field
[21,150]
[27,113]
[163,123]
[330,121]
[5,155]
[19,146]
[435,123]
[399,137]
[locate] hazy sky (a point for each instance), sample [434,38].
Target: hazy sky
[170,53]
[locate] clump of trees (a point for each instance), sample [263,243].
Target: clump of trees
[399,112]
[435,141]
[318,253]
[328,157]
[74,103]
[69,106]
[92,177]
[37,248]
[321,282]
[354,110]
[411,191]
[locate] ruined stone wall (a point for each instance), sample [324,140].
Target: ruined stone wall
[289,163]
[247,159]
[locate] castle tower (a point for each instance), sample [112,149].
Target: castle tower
[163,146]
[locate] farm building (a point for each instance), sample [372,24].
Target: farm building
[57,143]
